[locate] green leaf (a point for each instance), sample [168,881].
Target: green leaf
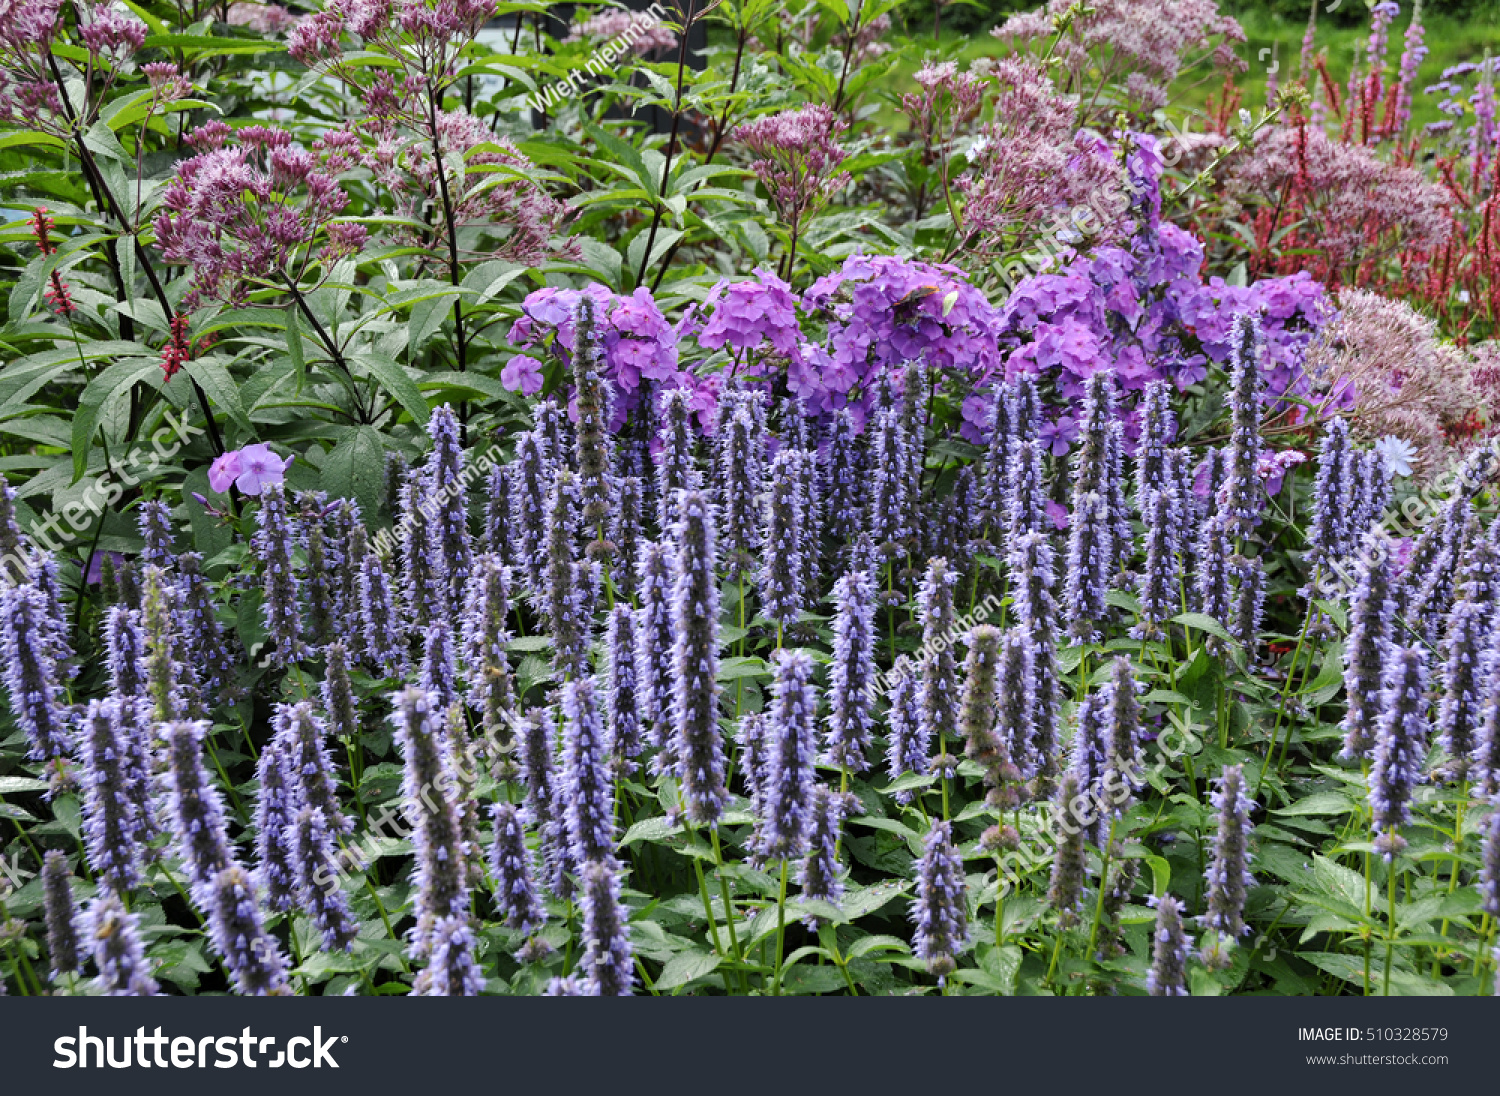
[294,349]
[1335,803]
[686,967]
[220,386]
[397,383]
[14,785]
[356,468]
[866,900]
[1203,623]
[115,380]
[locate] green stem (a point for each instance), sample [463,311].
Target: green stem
[780,929]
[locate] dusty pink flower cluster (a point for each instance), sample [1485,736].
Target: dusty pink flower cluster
[797,159]
[641,33]
[28,88]
[1140,46]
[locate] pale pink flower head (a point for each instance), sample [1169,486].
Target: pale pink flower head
[523,374]
[259,468]
[225,470]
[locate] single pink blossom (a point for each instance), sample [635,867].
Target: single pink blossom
[225,470]
[523,374]
[261,468]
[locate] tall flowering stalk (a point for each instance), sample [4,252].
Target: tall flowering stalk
[1400,746]
[114,935]
[438,673]
[977,721]
[842,471]
[532,479]
[165,672]
[568,583]
[197,810]
[276,805]
[908,745]
[821,876]
[888,503]
[591,439]
[60,914]
[939,669]
[797,158]
[114,829]
[252,956]
[621,695]
[625,534]
[1243,493]
[1032,564]
[1467,659]
[424,567]
[539,777]
[384,635]
[304,737]
[849,717]
[656,639]
[446,479]
[513,871]
[273,544]
[695,661]
[1169,951]
[1327,535]
[780,581]
[1069,863]
[337,692]
[31,675]
[1089,563]
[1228,874]
[607,959]
[940,909]
[1158,429]
[1158,589]
[675,467]
[313,853]
[441,855]
[588,790]
[791,745]
[1372,615]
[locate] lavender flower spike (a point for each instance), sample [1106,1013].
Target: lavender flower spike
[1372,615]
[114,935]
[781,573]
[655,637]
[31,672]
[197,809]
[621,691]
[113,828]
[252,956]
[607,960]
[445,475]
[940,909]
[588,790]
[60,913]
[791,733]
[1228,874]
[1169,952]
[304,737]
[275,807]
[512,867]
[695,708]
[821,877]
[1400,746]
[850,687]
[384,635]
[313,853]
[273,543]
[909,744]
[452,970]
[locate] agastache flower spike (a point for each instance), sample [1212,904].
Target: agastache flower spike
[31,672]
[791,737]
[540,780]
[1031,563]
[437,674]
[781,573]
[909,745]
[999,456]
[529,490]
[60,913]
[1026,498]
[1090,560]
[155,525]
[1489,871]
[252,956]
[940,908]
[939,669]
[1466,658]
[675,470]
[320,587]
[446,479]
[512,868]
[888,504]
[607,961]
[754,764]
[441,856]
[203,637]
[843,476]
[452,970]
[1158,430]
[655,638]
[499,508]
[1228,875]
[1243,493]
[821,877]
[620,667]
[273,543]
[695,707]
[384,635]
[809,527]
[197,809]
[1015,702]
[304,737]
[1249,596]
[424,566]
[1169,952]
[113,827]
[1213,553]
[347,530]
[567,587]
[164,671]
[1122,769]
[1400,746]
[1484,766]
[114,934]
[1065,892]
[588,790]
[592,439]
[977,718]
[317,880]
[1158,588]
[1327,535]
[485,635]
[914,396]
[1372,615]
[275,807]
[1091,756]
[850,686]
[625,534]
